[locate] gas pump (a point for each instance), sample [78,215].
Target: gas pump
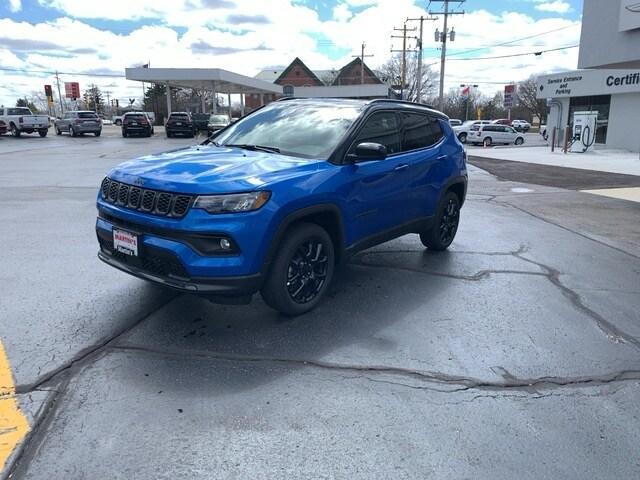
[584,131]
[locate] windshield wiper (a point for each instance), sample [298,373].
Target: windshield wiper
[255,148]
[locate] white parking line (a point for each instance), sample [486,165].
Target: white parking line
[631,194]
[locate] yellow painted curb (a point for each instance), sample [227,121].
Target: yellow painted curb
[13,424]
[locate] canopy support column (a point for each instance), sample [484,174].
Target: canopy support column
[168,99]
[242,104]
[229,104]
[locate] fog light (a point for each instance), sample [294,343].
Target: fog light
[225,244]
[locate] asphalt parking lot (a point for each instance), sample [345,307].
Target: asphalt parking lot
[516,354]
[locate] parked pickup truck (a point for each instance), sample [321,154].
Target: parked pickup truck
[21,120]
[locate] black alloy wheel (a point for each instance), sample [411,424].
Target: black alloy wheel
[445,226]
[449,221]
[307,271]
[301,270]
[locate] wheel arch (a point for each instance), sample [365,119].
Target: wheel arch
[327,215]
[457,185]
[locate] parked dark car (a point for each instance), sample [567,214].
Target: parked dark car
[502,121]
[281,197]
[79,122]
[3,128]
[136,123]
[200,121]
[180,123]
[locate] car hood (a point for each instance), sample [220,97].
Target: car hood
[210,169]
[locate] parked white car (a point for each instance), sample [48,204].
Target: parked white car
[463,132]
[521,125]
[488,135]
[20,120]
[454,122]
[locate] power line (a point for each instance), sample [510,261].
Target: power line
[53,72]
[510,42]
[537,53]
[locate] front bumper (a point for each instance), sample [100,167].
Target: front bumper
[179,253]
[221,286]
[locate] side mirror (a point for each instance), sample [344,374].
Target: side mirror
[368,151]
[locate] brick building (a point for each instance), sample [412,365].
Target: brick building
[298,77]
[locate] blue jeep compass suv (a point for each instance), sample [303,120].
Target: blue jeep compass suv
[273,202]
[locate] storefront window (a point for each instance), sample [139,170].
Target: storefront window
[595,103]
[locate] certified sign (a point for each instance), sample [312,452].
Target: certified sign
[629,15]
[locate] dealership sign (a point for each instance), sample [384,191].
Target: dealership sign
[509,96]
[72,90]
[629,15]
[581,83]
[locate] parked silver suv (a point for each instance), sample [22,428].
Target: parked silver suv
[79,122]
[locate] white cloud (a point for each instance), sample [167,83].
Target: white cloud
[556,6]
[209,40]
[15,5]
[341,12]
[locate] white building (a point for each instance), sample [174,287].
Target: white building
[609,77]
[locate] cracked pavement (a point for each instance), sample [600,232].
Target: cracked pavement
[516,353]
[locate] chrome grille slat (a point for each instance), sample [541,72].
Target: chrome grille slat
[145,200]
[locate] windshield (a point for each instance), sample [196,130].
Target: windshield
[219,119]
[304,129]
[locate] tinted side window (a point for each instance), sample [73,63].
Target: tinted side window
[419,131]
[489,128]
[381,128]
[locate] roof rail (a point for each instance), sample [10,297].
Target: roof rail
[407,102]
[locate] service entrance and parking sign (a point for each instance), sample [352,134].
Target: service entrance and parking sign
[509,96]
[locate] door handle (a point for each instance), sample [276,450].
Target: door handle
[402,166]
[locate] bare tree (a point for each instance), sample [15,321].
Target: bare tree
[391,74]
[527,97]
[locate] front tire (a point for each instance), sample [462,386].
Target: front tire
[487,142]
[14,131]
[124,133]
[301,271]
[445,227]
[519,141]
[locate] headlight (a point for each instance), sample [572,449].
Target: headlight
[236,202]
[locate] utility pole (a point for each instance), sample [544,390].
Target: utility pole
[403,72]
[59,94]
[442,37]
[419,69]
[362,57]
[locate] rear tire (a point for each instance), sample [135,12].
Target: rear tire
[462,137]
[124,133]
[72,132]
[487,142]
[14,131]
[301,271]
[43,133]
[98,133]
[58,131]
[445,226]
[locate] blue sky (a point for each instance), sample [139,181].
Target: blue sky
[249,35]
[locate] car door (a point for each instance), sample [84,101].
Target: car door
[510,135]
[66,122]
[421,149]
[377,195]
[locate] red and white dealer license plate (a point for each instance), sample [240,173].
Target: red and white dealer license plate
[125,242]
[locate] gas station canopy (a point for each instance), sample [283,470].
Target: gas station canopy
[214,79]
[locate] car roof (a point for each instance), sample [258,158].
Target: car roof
[82,111]
[179,113]
[371,103]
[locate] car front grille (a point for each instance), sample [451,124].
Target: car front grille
[149,201]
